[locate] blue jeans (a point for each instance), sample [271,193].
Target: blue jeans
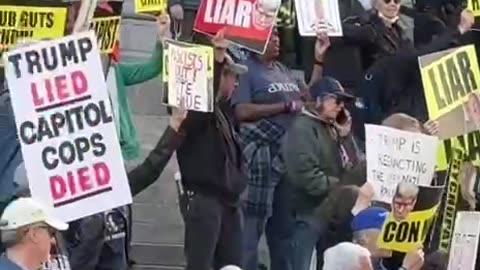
[278,231]
[306,237]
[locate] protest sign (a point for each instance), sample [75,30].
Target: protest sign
[451,82]
[463,252]
[107,31]
[395,156]
[31,22]
[247,23]
[149,6]
[474,6]
[451,199]
[65,126]
[470,143]
[410,218]
[105,22]
[311,12]
[188,75]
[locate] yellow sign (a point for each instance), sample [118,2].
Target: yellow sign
[408,234]
[107,30]
[145,6]
[449,79]
[30,22]
[474,6]
[469,143]
[450,208]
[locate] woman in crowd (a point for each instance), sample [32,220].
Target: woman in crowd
[266,102]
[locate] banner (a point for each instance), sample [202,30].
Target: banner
[474,6]
[451,82]
[310,12]
[451,200]
[147,6]
[65,126]
[395,156]
[247,23]
[30,22]
[188,75]
[463,252]
[406,226]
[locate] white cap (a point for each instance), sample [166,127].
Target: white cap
[231,267]
[25,211]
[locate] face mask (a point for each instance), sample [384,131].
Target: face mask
[389,20]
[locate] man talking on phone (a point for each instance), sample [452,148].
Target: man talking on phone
[316,156]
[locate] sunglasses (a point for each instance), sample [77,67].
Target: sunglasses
[389,1]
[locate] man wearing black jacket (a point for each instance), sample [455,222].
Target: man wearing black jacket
[211,167]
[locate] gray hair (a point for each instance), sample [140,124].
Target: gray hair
[406,190]
[344,256]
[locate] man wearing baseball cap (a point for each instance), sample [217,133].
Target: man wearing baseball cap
[28,231]
[316,159]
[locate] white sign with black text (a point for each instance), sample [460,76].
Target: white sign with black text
[66,127]
[395,156]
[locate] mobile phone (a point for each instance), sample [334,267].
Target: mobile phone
[341,117]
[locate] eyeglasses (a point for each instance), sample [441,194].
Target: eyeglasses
[389,1]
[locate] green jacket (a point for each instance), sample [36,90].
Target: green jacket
[313,161]
[128,74]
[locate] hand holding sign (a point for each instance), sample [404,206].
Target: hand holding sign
[220,44]
[178,115]
[414,260]
[321,45]
[163,26]
[431,127]
[177,12]
[466,21]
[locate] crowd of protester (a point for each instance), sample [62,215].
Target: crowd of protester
[278,157]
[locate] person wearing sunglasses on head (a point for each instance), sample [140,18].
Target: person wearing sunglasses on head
[28,230]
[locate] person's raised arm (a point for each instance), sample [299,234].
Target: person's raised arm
[134,73]
[321,46]
[147,173]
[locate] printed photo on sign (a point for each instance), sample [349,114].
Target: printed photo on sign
[188,76]
[310,13]
[31,22]
[150,6]
[395,156]
[65,126]
[412,212]
[106,23]
[463,252]
[247,23]
[451,82]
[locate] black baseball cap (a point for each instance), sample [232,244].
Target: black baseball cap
[329,86]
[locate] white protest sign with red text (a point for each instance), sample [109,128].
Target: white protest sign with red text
[247,23]
[65,126]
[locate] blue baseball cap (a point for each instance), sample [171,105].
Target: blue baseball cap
[329,86]
[370,218]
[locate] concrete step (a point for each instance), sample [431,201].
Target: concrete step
[158,255]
